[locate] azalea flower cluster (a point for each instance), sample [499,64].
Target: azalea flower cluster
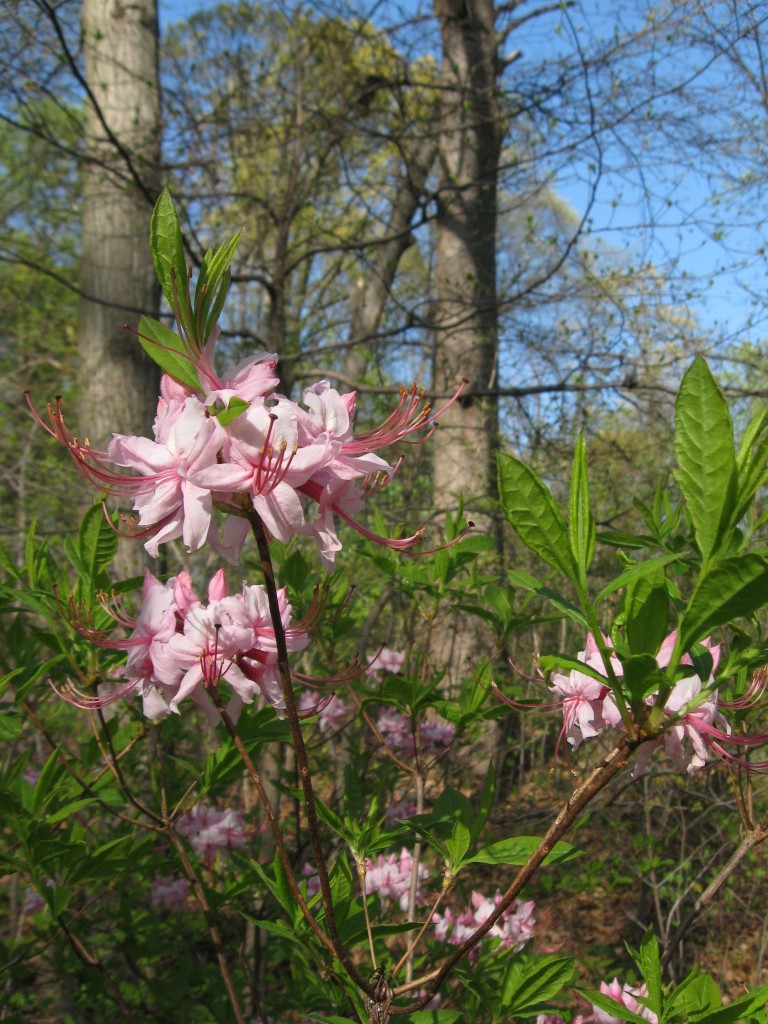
[697,729]
[210,831]
[391,877]
[178,643]
[514,928]
[385,661]
[397,732]
[332,712]
[169,892]
[234,444]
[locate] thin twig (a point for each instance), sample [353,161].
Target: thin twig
[210,920]
[610,766]
[747,844]
[302,763]
[271,819]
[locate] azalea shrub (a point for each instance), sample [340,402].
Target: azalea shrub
[224,801]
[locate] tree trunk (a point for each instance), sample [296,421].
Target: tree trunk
[466,313]
[466,318]
[118,384]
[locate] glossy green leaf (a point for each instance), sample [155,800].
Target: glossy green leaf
[641,676]
[740,1009]
[650,567]
[213,285]
[168,350]
[734,588]
[457,845]
[581,525]
[646,612]
[532,983]
[518,850]
[235,407]
[650,967]
[531,510]
[435,1017]
[167,247]
[550,662]
[610,1006]
[98,541]
[705,455]
[523,581]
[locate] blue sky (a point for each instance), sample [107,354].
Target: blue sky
[663,211]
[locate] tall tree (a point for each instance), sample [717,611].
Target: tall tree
[118,384]
[466,306]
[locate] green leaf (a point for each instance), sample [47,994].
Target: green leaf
[235,407]
[169,351]
[11,725]
[531,510]
[277,883]
[650,567]
[650,967]
[646,610]
[523,581]
[457,845]
[549,662]
[603,1002]
[531,984]
[581,525]
[98,541]
[435,1017]
[705,456]
[641,676]
[752,463]
[518,850]
[739,1010]
[167,247]
[733,588]
[213,285]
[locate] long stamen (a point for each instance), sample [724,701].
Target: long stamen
[272,469]
[408,417]
[93,702]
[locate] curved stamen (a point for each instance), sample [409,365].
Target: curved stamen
[93,702]
[272,469]
[408,417]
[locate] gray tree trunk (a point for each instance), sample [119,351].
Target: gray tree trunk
[466,316]
[118,384]
[466,313]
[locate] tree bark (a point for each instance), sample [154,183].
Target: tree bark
[465,320]
[118,384]
[466,317]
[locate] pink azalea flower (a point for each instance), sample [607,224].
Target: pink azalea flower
[626,997]
[696,730]
[279,455]
[169,892]
[390,877]
[584,697]
[397,732]
[514,928]
[210,831]
[32,903]
[385,660]
[166,498]
[178,643]
[332,713]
